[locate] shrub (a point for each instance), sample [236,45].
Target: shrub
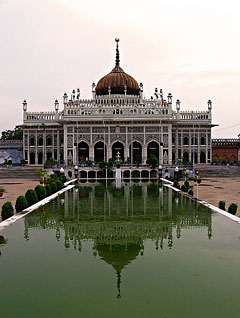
[21,203]
[232,208]
[222,205]
[184,188]
[53,176]
[59,184]
[48,189]
[53,186]
[7,210]
[31,197]
[63,178]
[187,185]
[41,192]
[190,192]
[199,180]
[175,184]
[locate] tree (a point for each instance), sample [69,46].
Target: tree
[14,134]
[152,161]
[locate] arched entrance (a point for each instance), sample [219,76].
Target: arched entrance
[194,157]
[135,152]
[153,149]
[40,158]
[185,157]
[118,147]
[202,157]
[32,158]
[100,153]
[83,151]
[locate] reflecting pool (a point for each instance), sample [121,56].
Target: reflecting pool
[139,251]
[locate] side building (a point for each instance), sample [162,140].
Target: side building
[118,122]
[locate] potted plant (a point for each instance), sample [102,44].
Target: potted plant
[42,175]
[152,161]
[23,162]
[1,192]
[118,164]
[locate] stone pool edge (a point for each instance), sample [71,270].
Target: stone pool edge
[208,205]
[35,206]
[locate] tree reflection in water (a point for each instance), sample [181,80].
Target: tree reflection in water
[119,221]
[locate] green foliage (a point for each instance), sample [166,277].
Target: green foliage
[63,178]
[199,180]
[111,162]
[187,185]
[23,161]
[103,165]
[232,208]
[184,188]
[53,186]
[175,184]
[48,189]
[41,192]
[15,134]
[222,205]
[7,210]
[31,197]
[2,190]
[152,161]
[51,161]
[53,176]
[190,192]
[42,173]
[59,184]
[21,204]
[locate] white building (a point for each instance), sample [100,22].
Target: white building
[118,118]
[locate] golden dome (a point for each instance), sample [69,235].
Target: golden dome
[118,81]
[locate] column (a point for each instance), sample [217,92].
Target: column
[170,144]
[65,144]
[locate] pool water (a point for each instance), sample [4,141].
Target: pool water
[139,251]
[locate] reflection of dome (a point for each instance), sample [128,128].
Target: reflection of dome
[118,255]
[118,81]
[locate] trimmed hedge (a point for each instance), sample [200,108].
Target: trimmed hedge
[21,203]
[59,184]
[184,188]
[233,208]
[7,210]
[190,192]
[48,189]
[31,197]
[53,186]
[41,192]
[222,205]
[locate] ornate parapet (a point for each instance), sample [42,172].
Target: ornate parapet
[42,117]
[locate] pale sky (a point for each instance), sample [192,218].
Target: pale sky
[190,48]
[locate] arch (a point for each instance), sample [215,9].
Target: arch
[40,158]
[153,149]
[99,151]
[153,174]
[194,141]
[32,158]
[118,147]
[194,157]
[145,174]
[126,174]
[135,174]
[203,141]
[32,141]
[40,141]
[92,174]
[185,157]
[49,141]
[49,155]
[202,157]
[185,141]
[83,174]
[135,151]
[83,151]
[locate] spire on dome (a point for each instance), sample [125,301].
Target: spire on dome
[117,53]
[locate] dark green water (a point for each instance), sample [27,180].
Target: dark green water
[142,251]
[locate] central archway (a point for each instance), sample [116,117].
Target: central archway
[83,151]
[100,153]
[135,152]
[118,147]
[153,149]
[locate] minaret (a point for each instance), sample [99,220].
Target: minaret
[24,110]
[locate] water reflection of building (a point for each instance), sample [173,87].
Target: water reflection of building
[119,222]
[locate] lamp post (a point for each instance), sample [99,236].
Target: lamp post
[76,172]
[176,173]
[197,182]
[160,171]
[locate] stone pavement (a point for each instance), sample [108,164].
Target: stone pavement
[213,190]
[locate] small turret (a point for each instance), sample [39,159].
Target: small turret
[78,93]
[65,99]
[24,109]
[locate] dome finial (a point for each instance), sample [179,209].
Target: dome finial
[117,53]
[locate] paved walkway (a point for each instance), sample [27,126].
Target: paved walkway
[14,188]
[213,190]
